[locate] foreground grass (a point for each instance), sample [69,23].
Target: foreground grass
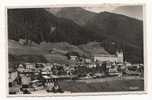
[106,86]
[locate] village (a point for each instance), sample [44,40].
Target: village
[25,78]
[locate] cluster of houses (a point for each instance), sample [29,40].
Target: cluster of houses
[27,77]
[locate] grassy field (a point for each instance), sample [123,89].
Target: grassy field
[59,49]
[106,86]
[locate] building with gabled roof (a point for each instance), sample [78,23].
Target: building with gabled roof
[118,57]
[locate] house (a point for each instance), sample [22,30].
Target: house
[12,76]
[87,60]
[108,57]
[73,56]
[21,68]
[57,51]
[48,67]
[39,66]
[26,68]
[30,65]
[25,80]
[93,65]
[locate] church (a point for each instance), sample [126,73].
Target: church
[118,57]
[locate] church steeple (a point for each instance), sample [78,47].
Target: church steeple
[120,55]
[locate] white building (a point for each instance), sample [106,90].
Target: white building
[73,58]
[107,57]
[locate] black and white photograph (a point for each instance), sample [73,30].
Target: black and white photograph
[75,49]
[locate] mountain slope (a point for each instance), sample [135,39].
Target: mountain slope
[117,26]
[126,32]
[76,14]
[40,25]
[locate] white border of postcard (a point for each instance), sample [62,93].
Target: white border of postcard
[80,94]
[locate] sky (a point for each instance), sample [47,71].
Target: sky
[135,11]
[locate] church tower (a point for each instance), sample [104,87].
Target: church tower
[120,56]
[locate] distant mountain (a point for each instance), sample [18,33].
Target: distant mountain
[76,14]
[117,26]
